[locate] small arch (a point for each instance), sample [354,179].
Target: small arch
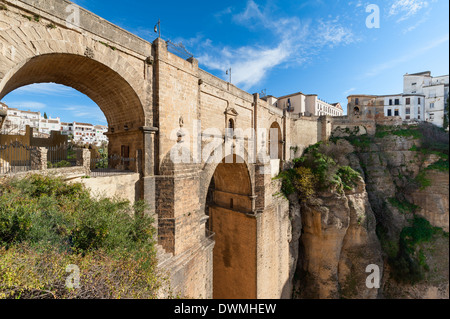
[231,124]
[275,139]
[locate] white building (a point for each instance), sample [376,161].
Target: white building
[307,105]
[67,129]
[100,136]
[423,99]
[16,121]
[84,132]
[46,126]
[410,107]
[433,89]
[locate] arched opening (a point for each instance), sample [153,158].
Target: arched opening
[108,89]
[356,110]
[231,124]
[234,258]
[275,142]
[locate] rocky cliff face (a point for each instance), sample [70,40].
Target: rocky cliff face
[382,221]
[338,242]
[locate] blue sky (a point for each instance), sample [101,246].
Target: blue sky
[314,46]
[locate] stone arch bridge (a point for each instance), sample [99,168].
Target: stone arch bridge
[226,234]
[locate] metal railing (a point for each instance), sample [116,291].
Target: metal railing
[178,49]
[63,155]
[112,165]
[17,157]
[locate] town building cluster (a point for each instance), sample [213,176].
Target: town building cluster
[424,99]
[16,121]
[305,105]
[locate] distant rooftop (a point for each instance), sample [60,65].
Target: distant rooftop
[85,124]
[426,73]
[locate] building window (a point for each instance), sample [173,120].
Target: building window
[390,101]
[408,117]
[420,101]
[408,110]
[431,105]
[408,101]
[389,112]
[397,113]
[397,101]
[357,101]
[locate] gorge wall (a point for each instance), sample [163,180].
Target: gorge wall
[395,217]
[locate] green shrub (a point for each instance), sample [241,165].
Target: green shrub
[412,131]
[348,177]
[403,206]
[441,165]
[43,219]
[422,180]
[320,169]
[15,219]
[26,273]
[305,183]
[410,265]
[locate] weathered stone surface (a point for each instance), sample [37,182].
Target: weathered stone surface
[433,200]
[338,242]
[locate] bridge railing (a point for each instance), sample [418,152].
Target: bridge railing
[17,157]
[63,155]
[112,165]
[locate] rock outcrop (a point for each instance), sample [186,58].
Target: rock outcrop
[338,242]
[344,233]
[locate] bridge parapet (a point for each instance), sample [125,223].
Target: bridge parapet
[68,14]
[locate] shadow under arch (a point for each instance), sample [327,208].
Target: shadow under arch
[229,207]
[107,88]
[113,94]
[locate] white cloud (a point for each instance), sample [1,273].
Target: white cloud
[46,88]
[296,41]
[329,33]
[27,105]
[347,93]
[407,8]
[222,13]
[89,113]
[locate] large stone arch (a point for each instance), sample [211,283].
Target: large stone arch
[35,53]
[108,89]
[231,219]
[111,77]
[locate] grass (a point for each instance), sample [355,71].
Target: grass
[413,132]
[108,46]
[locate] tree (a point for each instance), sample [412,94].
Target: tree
[45,115]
